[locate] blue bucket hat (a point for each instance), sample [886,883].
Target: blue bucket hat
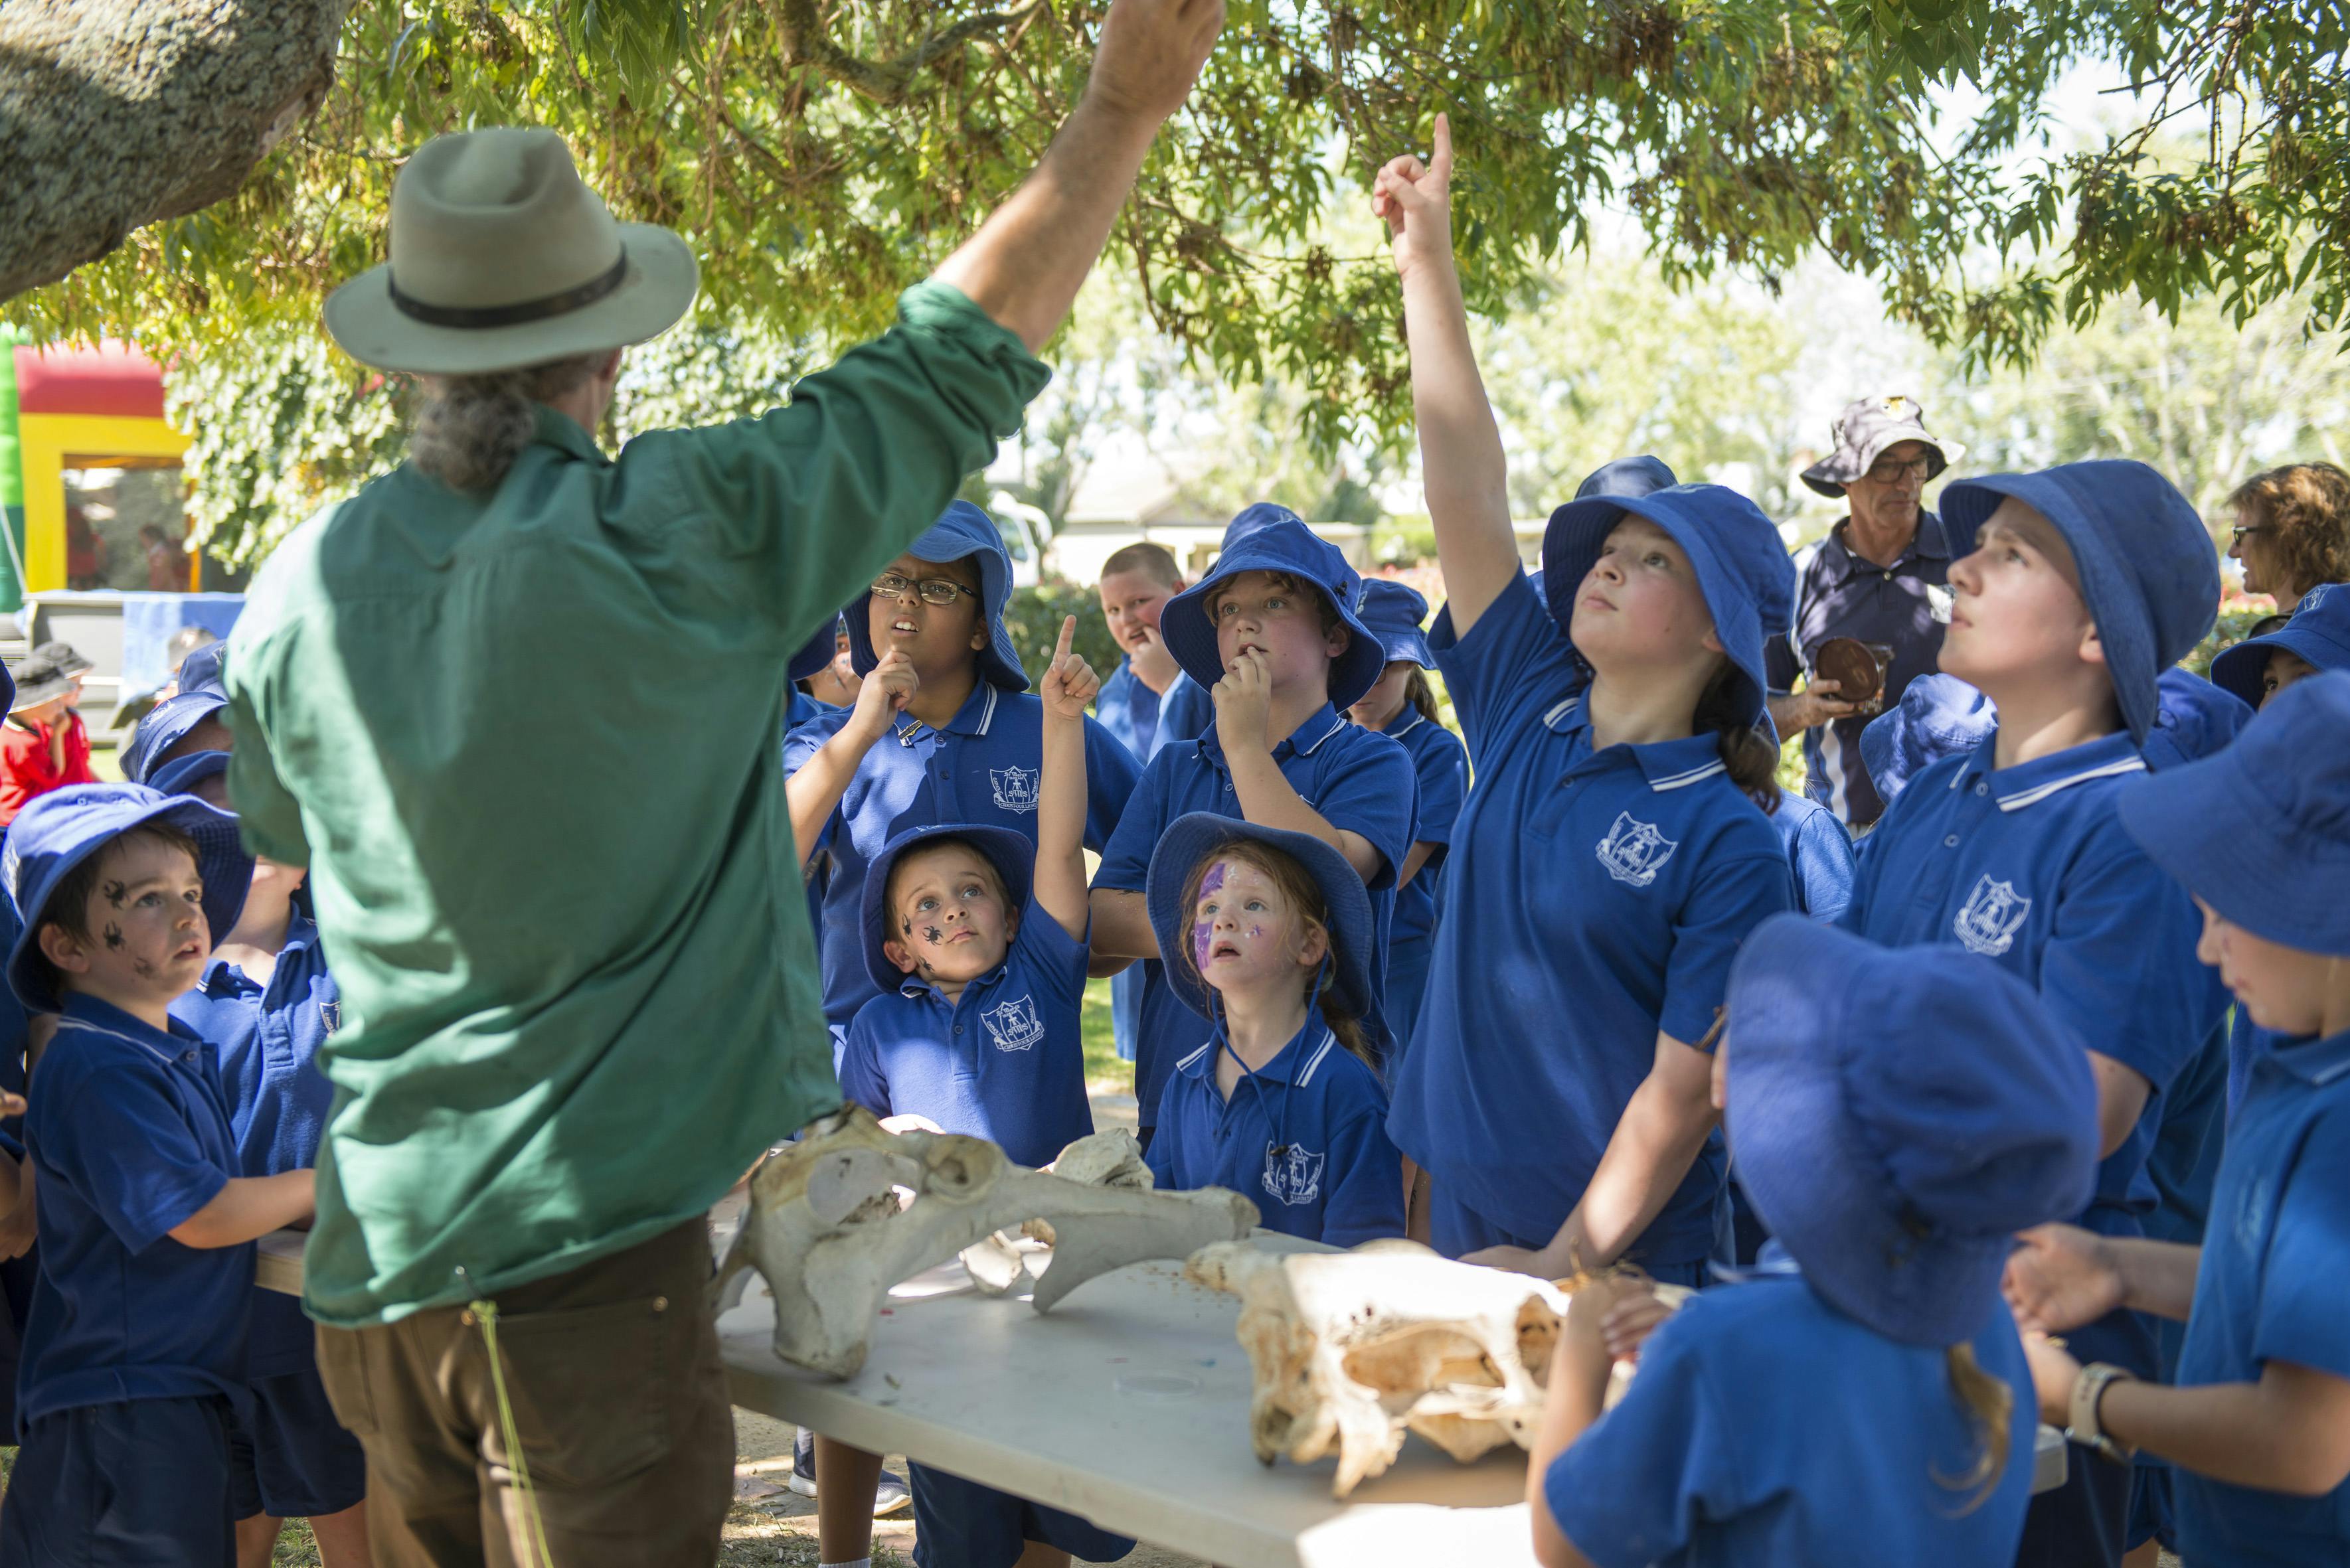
[1006,849]
[2318,632]
[815,653]
[1191,839]
[1741,564]
[1626,476]
[1895,1175]
[1938,716]
[2148,572]
[200,671]
[961,530]
[180,775]
[2261,830]
[167,724]
[1276,544]
[1258,514]
[2194,720]
[65,827]
[1393,611]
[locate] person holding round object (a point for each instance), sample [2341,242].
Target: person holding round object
[1871,601]
[2291,531]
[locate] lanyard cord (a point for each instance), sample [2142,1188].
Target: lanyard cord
[1248,1074]
[485,1313]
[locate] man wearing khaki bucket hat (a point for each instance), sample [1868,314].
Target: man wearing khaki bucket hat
[495,702]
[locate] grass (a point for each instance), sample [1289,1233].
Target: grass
[1105,1073]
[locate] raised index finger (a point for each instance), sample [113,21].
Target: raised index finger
[1068,631]
[1440,157]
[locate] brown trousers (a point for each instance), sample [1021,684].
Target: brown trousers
[619,1404]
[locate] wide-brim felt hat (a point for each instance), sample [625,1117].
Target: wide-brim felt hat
[35,681]
[1006,849]
[66,657]
[1741,564]
[180,775]
[962,530]
[815,653]
[1190,839]
[2148,570]
[502,257]
[1288,546]
[61,829]
[165,726]
[2260,829]
[1863,430]
[1938,716]
[2318,632]
[1393,611]
[1895,1129]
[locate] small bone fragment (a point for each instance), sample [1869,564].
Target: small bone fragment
[1110,1158]
[827,1233]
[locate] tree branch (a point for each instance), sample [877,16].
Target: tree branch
[805,42]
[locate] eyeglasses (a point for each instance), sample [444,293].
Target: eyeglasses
[1893,471]
[940,591]
[2236,535]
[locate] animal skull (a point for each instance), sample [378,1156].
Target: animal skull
[1351,1350]
[828,1233]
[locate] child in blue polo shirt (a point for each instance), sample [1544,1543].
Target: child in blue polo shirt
[2074,589]
[135,1351]
[1861,1399]
[2257,1424]
[1273,935]
[1614,849]
[1272,632]
[266,1004]
[1400,705]
[2317,637]
[943,730]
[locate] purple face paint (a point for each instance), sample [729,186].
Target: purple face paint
[1214,879]
[1202,938]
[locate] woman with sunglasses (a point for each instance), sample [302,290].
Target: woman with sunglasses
[2291,531]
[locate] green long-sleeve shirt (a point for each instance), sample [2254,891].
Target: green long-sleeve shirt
[528,745]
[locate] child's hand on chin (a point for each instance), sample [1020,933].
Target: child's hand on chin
[1243,701]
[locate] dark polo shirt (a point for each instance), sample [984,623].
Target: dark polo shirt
[1839,593]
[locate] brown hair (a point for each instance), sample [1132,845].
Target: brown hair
[67,905]
[1751,762]
[2305,510]
[1990,1407]
[1156,562]
[469,429]
[1305,897]
[944,841]
[1290,583]
[1422,696]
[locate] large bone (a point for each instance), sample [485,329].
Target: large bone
[827,1231]
[1351,1350]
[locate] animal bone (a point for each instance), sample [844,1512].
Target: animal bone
[1351,1350]
[1111,1158]
[827,1233]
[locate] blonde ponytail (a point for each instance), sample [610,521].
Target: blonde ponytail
[1990,1404]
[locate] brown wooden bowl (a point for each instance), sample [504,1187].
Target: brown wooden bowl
[1857,668]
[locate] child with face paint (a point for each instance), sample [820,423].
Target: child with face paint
[1275,1098]
[1613,851]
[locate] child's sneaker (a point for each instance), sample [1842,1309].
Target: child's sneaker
[890,1496]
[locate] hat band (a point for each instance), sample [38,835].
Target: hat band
[478,318]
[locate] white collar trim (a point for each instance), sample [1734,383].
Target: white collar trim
[2039,792]
[1329,1043]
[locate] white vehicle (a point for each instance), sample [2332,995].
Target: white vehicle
[1023,528]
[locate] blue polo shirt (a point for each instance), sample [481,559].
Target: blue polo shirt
[130,1137]
[984,768]
[1442,764]
[1005,1060]
[1905,606]
[2269,1288]
[1358,780]
[1144,719]
[2030,868]
[265,1043]
[1819,854]
[1591,900]
[1766,1427]
[1304,1137]
[799,708]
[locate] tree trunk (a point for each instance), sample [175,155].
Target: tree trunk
[115,113]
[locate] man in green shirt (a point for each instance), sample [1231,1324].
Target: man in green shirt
[496,702]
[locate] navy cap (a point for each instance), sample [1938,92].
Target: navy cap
[2261,831]
[2194,720]
[1895,1129]
[815,653]
[1642,475]
[1193,838]
[1742,566]
[1393,611]
[180,775]
[165,726]
[1256,515]
[63,827]
[2148,572]
[1277,544]
[1006,849]
[2318,631]
[200,671]
[1938,716]
[961,530]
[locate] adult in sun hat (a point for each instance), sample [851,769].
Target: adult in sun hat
[1879,577]
[451,691]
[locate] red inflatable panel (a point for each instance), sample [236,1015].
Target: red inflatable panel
[112,379]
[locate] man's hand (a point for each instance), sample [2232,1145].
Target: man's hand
[1245,704]
[2060,1277]
[884,695]
[1153,665]
[1815,705]
[1149,55]
[1416,201]
[1069,682]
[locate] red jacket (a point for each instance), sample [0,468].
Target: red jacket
[25,770]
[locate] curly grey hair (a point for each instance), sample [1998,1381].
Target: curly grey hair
[469,429]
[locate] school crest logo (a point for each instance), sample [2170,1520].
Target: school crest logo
[1293,1175]
[1634,851]
[330,1013]
[1992,916]
[1016,788]
[1014,1026]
